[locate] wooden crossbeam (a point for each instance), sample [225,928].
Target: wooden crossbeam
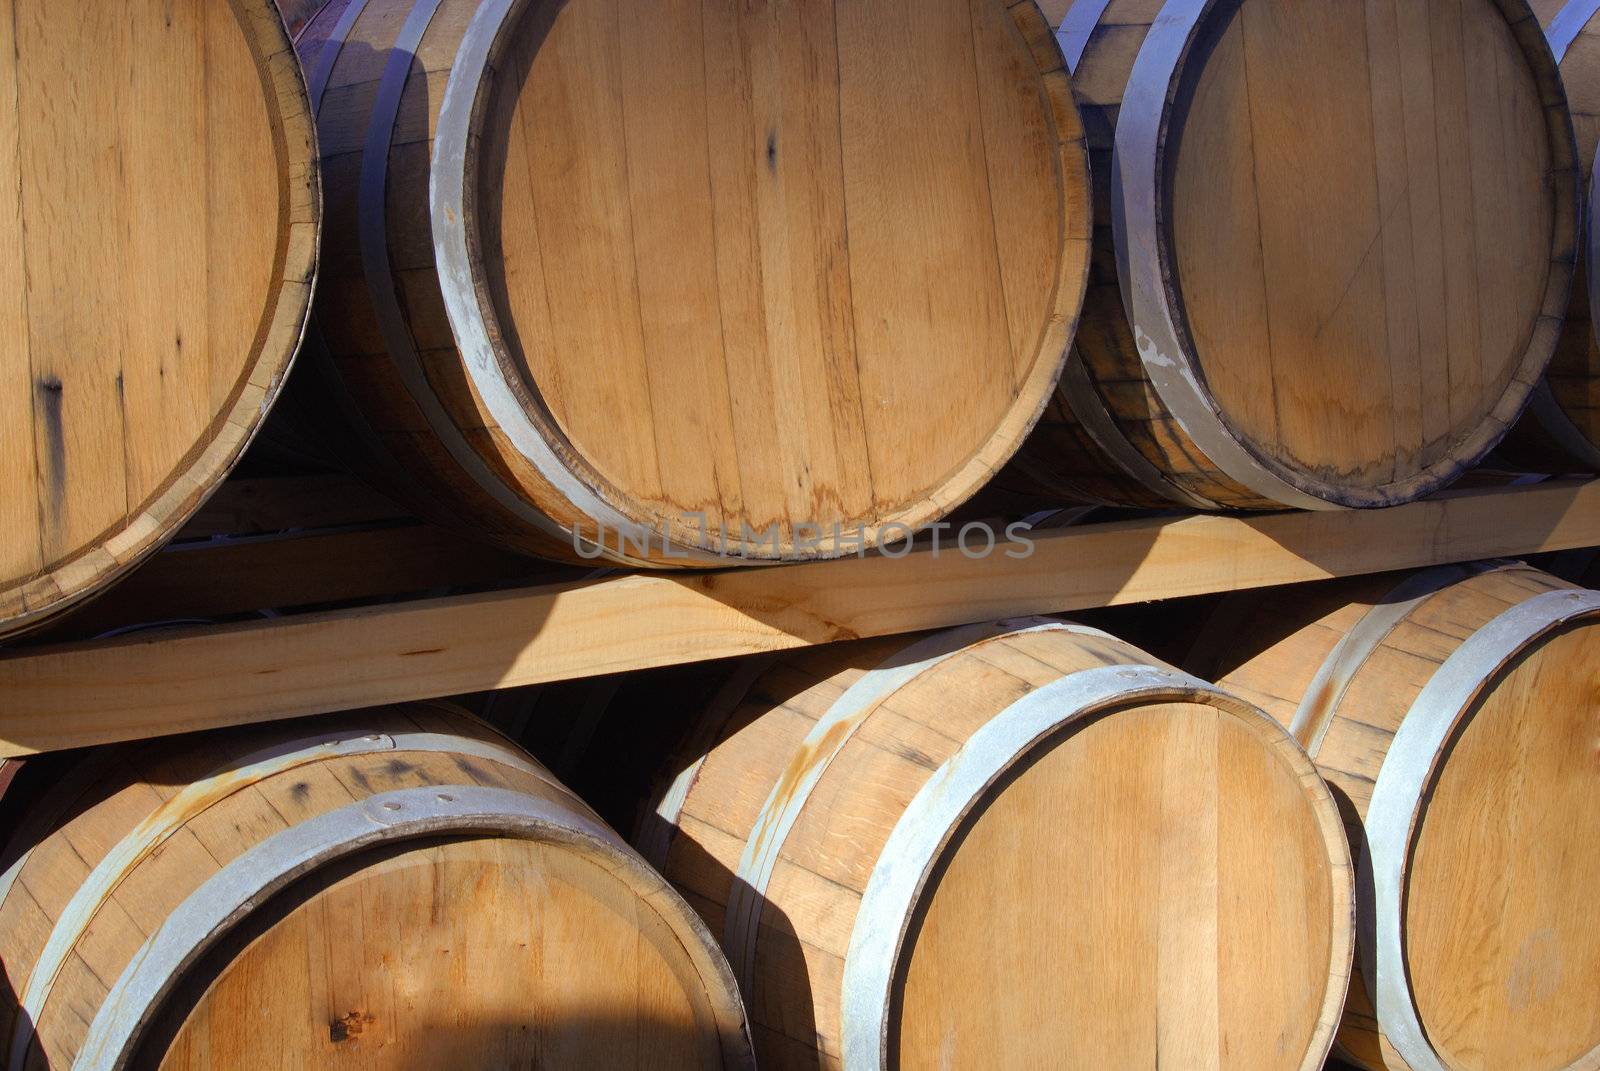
[168,682]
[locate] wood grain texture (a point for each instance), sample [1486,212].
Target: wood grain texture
[158,242]
[1365,251]
[1499,947]
[1134,843]
[80,694]
[1561,432]
[1187,943]
[457,948]
[737,277]
[1519,993]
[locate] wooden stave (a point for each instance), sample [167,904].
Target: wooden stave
[1336,629]
[726,701]
[1080,451]
[501,792]
[532,491]
[1188,453]
[1551,437]
[33,601]
[373,421]
[395,438]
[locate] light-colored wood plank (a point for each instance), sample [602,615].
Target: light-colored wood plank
[19,511]
[82,694]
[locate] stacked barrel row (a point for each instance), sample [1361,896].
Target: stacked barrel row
[1017,843]
[883,855]
[675,287]
[1028,843]
[680,287]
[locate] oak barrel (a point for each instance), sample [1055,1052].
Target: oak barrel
[396,888]
[1561,430]
[1454,713]
[675,284]
[158,241]
[1017,844]
[1334,242]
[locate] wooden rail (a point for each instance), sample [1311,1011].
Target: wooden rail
[75,694]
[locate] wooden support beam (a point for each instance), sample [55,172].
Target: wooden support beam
[139,686]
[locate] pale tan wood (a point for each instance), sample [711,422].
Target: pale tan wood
[408,953]
[160,243]
[1358,303]
[1109,903]
[75,695]
[1498,940]
[779,273]
[1503,956]
[1332,324]
[1180,922]
[606,983]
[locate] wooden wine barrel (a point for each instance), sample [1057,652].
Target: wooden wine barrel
[1332,250]
[1561,430]
[1454,713]
[684,287]
[392,888]
[157,251]
[1017,845]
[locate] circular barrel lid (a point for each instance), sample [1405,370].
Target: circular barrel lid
[1347,232]
[1162,885]
[155,268]
[450,953]
[770,270]
[1500,941]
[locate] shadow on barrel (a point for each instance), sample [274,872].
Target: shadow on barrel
[618,741]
